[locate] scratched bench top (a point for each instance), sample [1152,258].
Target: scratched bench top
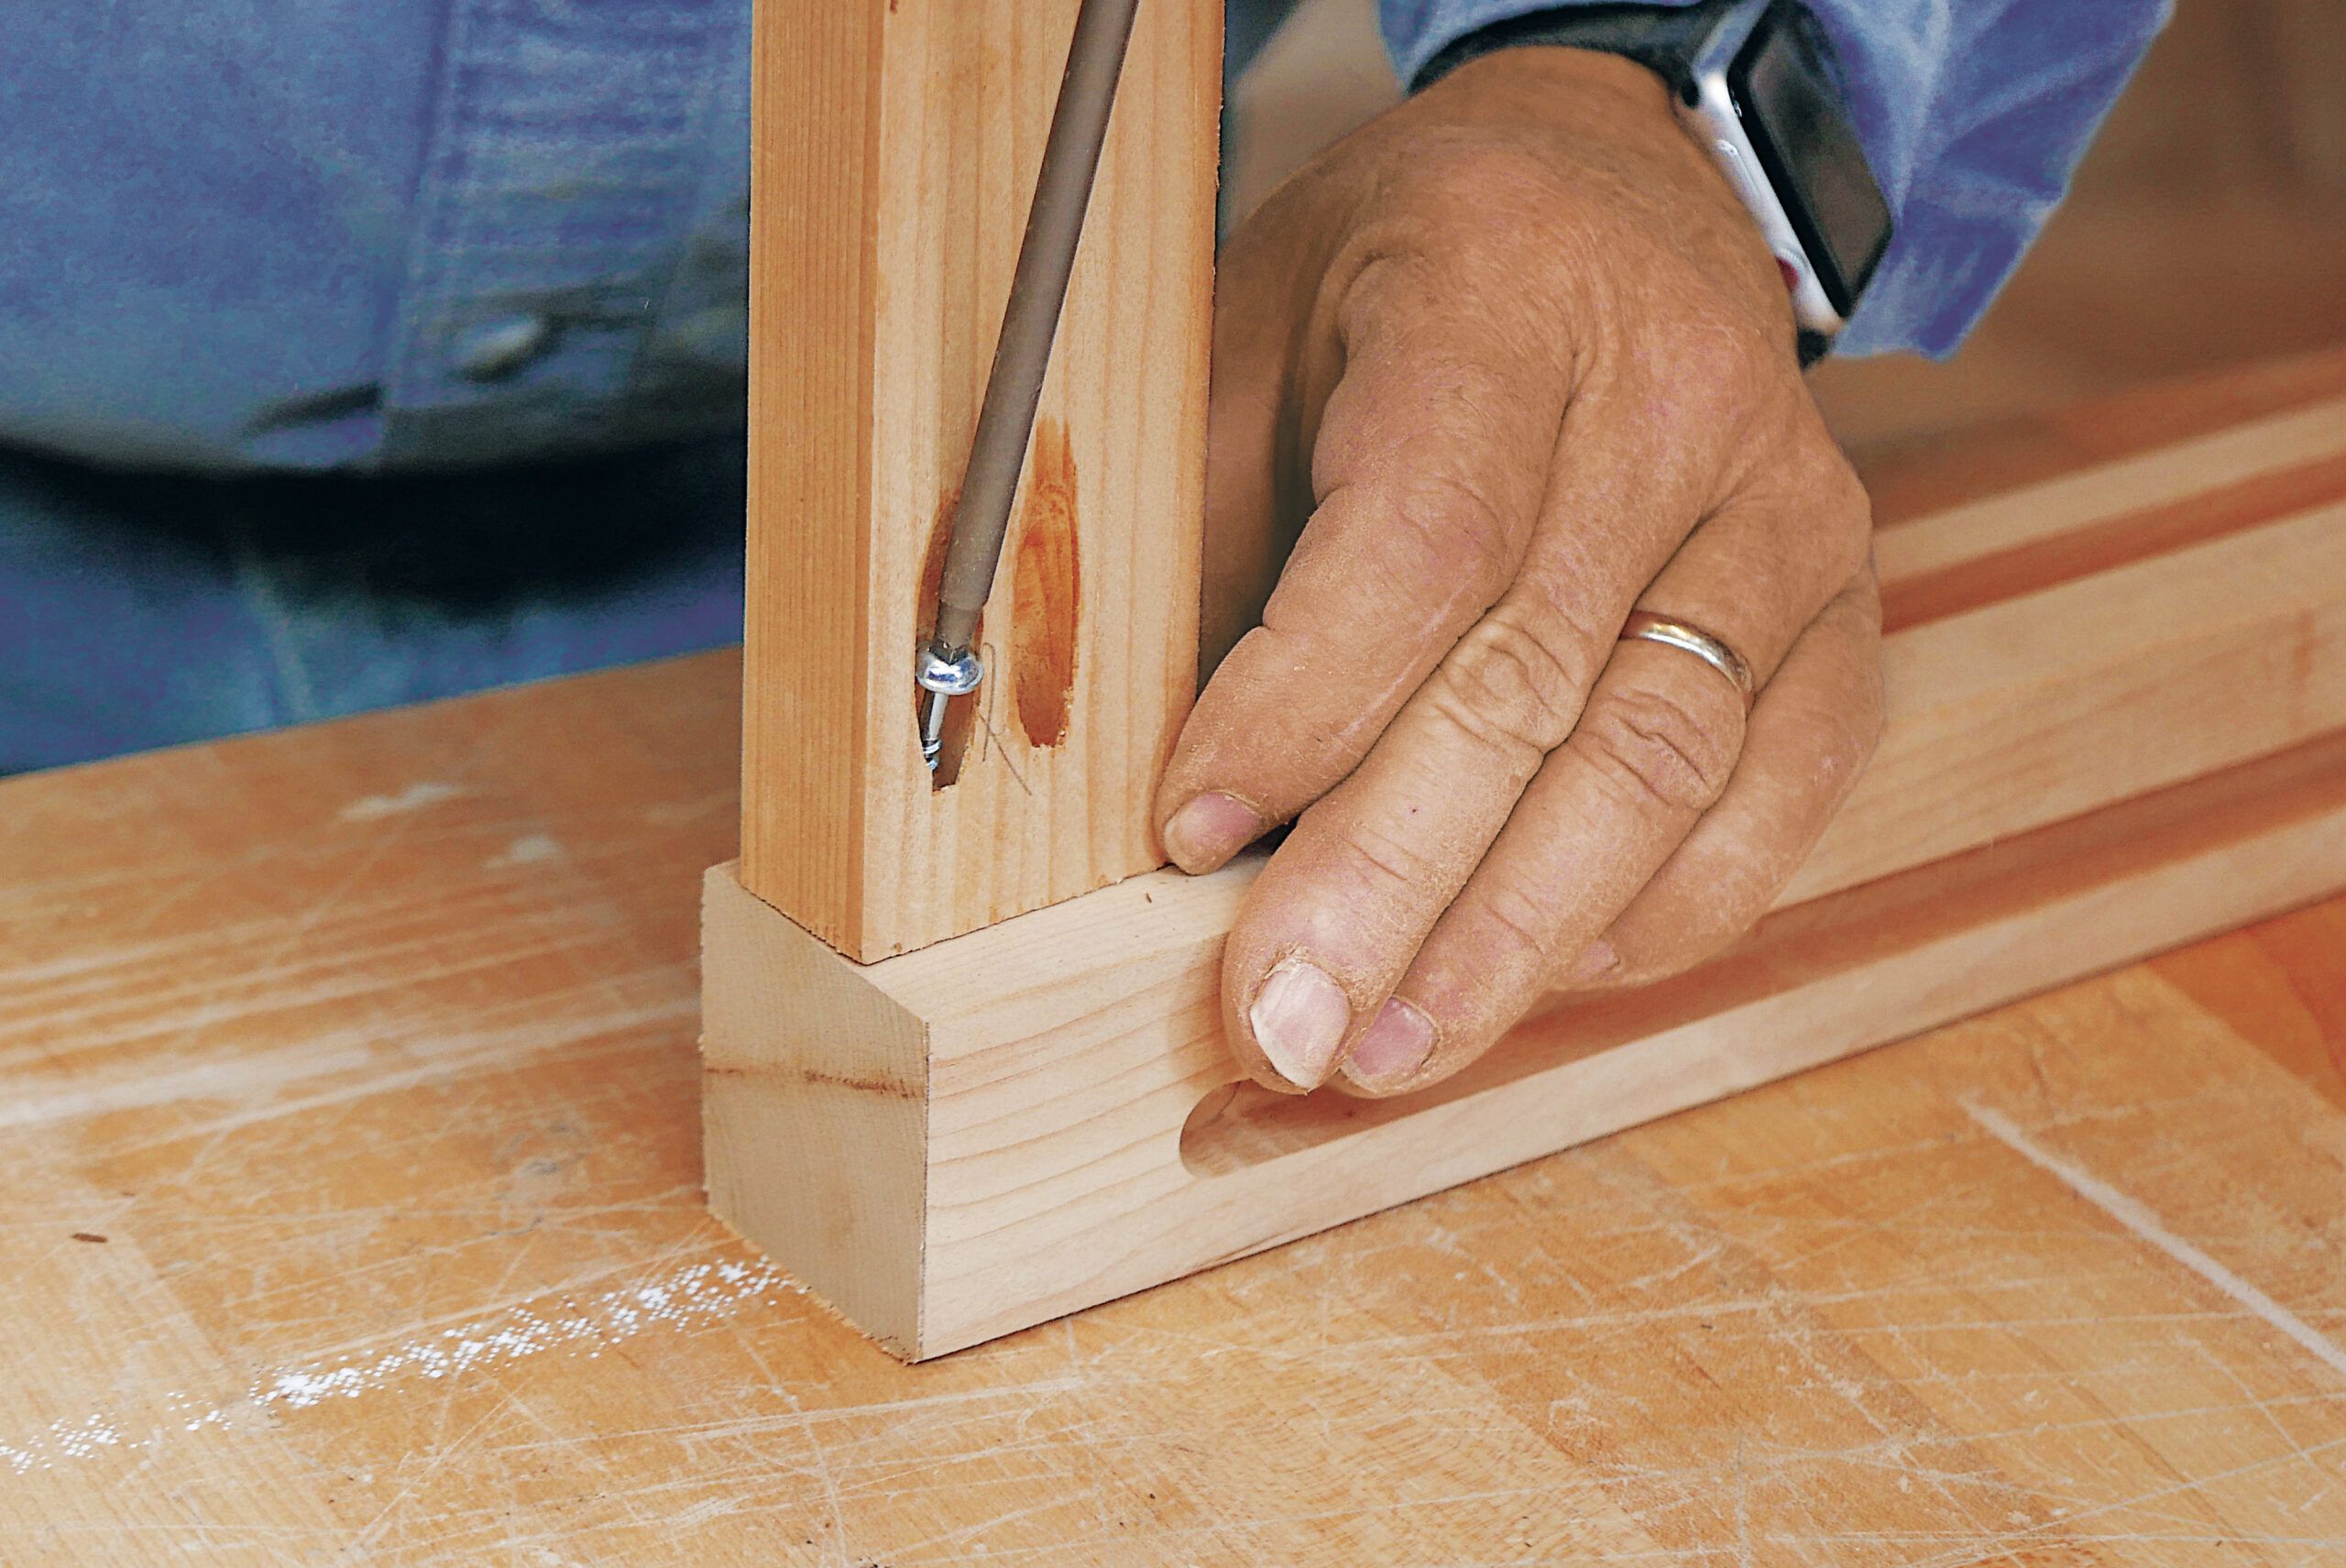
[349,1212]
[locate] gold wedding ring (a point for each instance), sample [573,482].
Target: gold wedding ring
[1692,639]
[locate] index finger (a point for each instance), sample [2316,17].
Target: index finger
[1429,467]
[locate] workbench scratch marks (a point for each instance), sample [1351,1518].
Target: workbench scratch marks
[2141,1219]
[257,1086]
[416,797]
[1835,1322]
[681,1300]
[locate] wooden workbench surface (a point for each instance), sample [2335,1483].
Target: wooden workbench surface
[350,1212]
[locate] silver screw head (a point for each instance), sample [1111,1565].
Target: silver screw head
[947,673]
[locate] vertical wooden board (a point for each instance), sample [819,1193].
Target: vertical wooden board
[809,392]
[899,249]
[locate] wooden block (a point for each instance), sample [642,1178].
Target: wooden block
[896,146]
[1049,1119]
[2093,754]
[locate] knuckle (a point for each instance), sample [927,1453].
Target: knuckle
[1461,533]
[1660,753]
[1393,281]
[1516,680]
[1861,603]
[1367,868]
[1843,503]
[1851,502]
[1525,915]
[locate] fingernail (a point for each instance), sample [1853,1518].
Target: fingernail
[1208,831]
[1393,1047]
[1300,1018]
[1596,961]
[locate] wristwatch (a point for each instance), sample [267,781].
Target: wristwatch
[1755,83]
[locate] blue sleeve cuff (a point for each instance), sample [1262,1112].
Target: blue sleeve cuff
[1973,117]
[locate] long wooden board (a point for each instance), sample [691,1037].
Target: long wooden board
[1079,1137]
[2027,709]
[896,146]
[1043,1114]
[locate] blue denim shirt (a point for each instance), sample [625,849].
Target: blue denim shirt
[445,232]
[432,231]
[406,239]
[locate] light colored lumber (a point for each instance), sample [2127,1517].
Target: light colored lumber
[896,145]
[2059,725]
[2028,710]
[1083,1137]
[2107,492]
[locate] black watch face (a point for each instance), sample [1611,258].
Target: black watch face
[1794,119]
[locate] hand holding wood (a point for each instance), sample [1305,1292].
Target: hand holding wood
[1515,361]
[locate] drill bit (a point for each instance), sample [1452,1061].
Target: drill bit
[947,665]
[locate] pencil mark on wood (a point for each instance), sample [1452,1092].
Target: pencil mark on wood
[869,1083]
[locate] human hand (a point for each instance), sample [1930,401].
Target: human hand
[1526,365]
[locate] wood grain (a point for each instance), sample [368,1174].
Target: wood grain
[339,1064]
[2023,711]
[819,1140]
[2119,633]
[895,147]
[352,1036]
[2107,500]
[1968,557]
[1084,1137]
